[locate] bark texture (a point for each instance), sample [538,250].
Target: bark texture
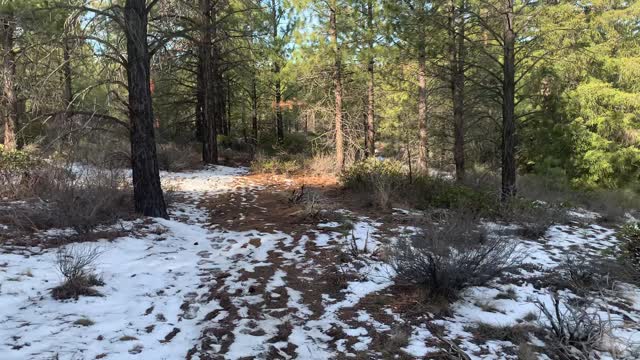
[337,84]
[508,106]
[10,98]
[423,151]
[147,192]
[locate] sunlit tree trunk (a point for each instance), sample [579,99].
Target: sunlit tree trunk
[337,81]
[9,80]
[423,151]
[370,135]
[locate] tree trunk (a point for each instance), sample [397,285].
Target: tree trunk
[67,92]
[370,135]
[9,80]
[228,107]
[457,86]
[276,73]
[337,80]
[254,111]
[508,107]
[205,95]
[423,151]
[147,191]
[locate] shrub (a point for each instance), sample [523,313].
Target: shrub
[14,171]
[453,256]
[174,157]
[630,236]
[364,175]
[321,165]
[535,218]
[443,193]
[75,263]
[295,143]
[574,328]
[61,197]
[282,164]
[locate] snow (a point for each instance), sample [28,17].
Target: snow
[159,281]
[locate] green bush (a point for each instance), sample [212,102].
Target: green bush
[224,141]
[365,174]
[282,164]
[15,160]
[630,236]
[295,143]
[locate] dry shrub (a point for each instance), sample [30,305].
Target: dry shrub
[574,328]
[76,264]
[452,256]
[60,196]
[321,165]
[535,218]
[516,334]
[175,157]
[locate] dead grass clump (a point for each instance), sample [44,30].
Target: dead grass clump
[398,338]
[321,165]
[76,264]
[452,256]
[516,334]
[574,328]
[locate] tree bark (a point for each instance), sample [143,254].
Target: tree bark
[423,151]
[508,106]
[457,86]
[370,129]
[67,92]
[337,81]
[207,96]
[254,111]
[147,192]
[276,73]
[10,96]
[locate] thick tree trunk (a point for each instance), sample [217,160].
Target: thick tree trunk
[423,151]
[337,81]
[276,73]
[207,95]
[457,86]
[147,192]
[9,81]
[370,135]
[508,107]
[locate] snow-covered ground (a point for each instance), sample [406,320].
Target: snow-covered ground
[189,287]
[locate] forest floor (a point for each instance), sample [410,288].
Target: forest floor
[244,270]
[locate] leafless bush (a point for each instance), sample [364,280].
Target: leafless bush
[61,196]
[321,165]
[574,328]
[535,218]
[76,264]
[383,190]
[452,256]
